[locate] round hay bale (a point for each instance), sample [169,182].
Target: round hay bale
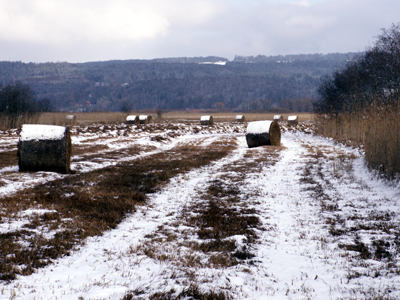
[71,119]
[293,120]
[207,120]
[143,119]
[132,119]
[44,148]
[240,118]
[262,133]
[278,118]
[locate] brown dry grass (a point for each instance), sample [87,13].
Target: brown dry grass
[86,204]
[7,122]
[8,158]
[56,118]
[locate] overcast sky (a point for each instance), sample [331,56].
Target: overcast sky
[94,30]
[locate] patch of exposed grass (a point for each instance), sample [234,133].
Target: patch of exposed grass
[358,247]
[114,154]
[218,221]
[191,292]
[85,150]
[8,158]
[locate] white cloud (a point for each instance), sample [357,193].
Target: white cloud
[53,22]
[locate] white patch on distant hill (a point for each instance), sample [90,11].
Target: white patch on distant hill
[221,63]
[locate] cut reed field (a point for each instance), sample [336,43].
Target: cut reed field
[86,204]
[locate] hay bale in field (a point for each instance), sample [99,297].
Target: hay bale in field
[206,120]
[132,119]
[262,133]
[278,118]
[44,148]
[293,120]
[240,118]
[150,118]
[144,119]
[70,119]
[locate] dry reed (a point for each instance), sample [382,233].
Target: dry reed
[8,122]
[376,128]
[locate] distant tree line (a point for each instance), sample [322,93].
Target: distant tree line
[317,57]
[174,83]
[18,101]
[372,76]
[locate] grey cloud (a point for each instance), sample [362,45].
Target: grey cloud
[264,27]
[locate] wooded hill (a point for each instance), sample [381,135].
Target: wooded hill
[246,83]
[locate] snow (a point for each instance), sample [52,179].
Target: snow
[296,257]
[143,117]
[292,118]
[220,63]
[259,127]
[31,132]
[205,118]
[131,118]
[239,117]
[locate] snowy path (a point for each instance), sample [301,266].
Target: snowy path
[296,256]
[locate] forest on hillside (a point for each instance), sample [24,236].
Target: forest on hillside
[246,83]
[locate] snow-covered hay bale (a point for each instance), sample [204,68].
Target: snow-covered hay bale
[262,133]
[70,119]
[240,118]
[293,120]
[206,120]
[278,118]
[149,118]
[44,148]
[144,119]
[132,119]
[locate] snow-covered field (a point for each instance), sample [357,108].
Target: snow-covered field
[326,227]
